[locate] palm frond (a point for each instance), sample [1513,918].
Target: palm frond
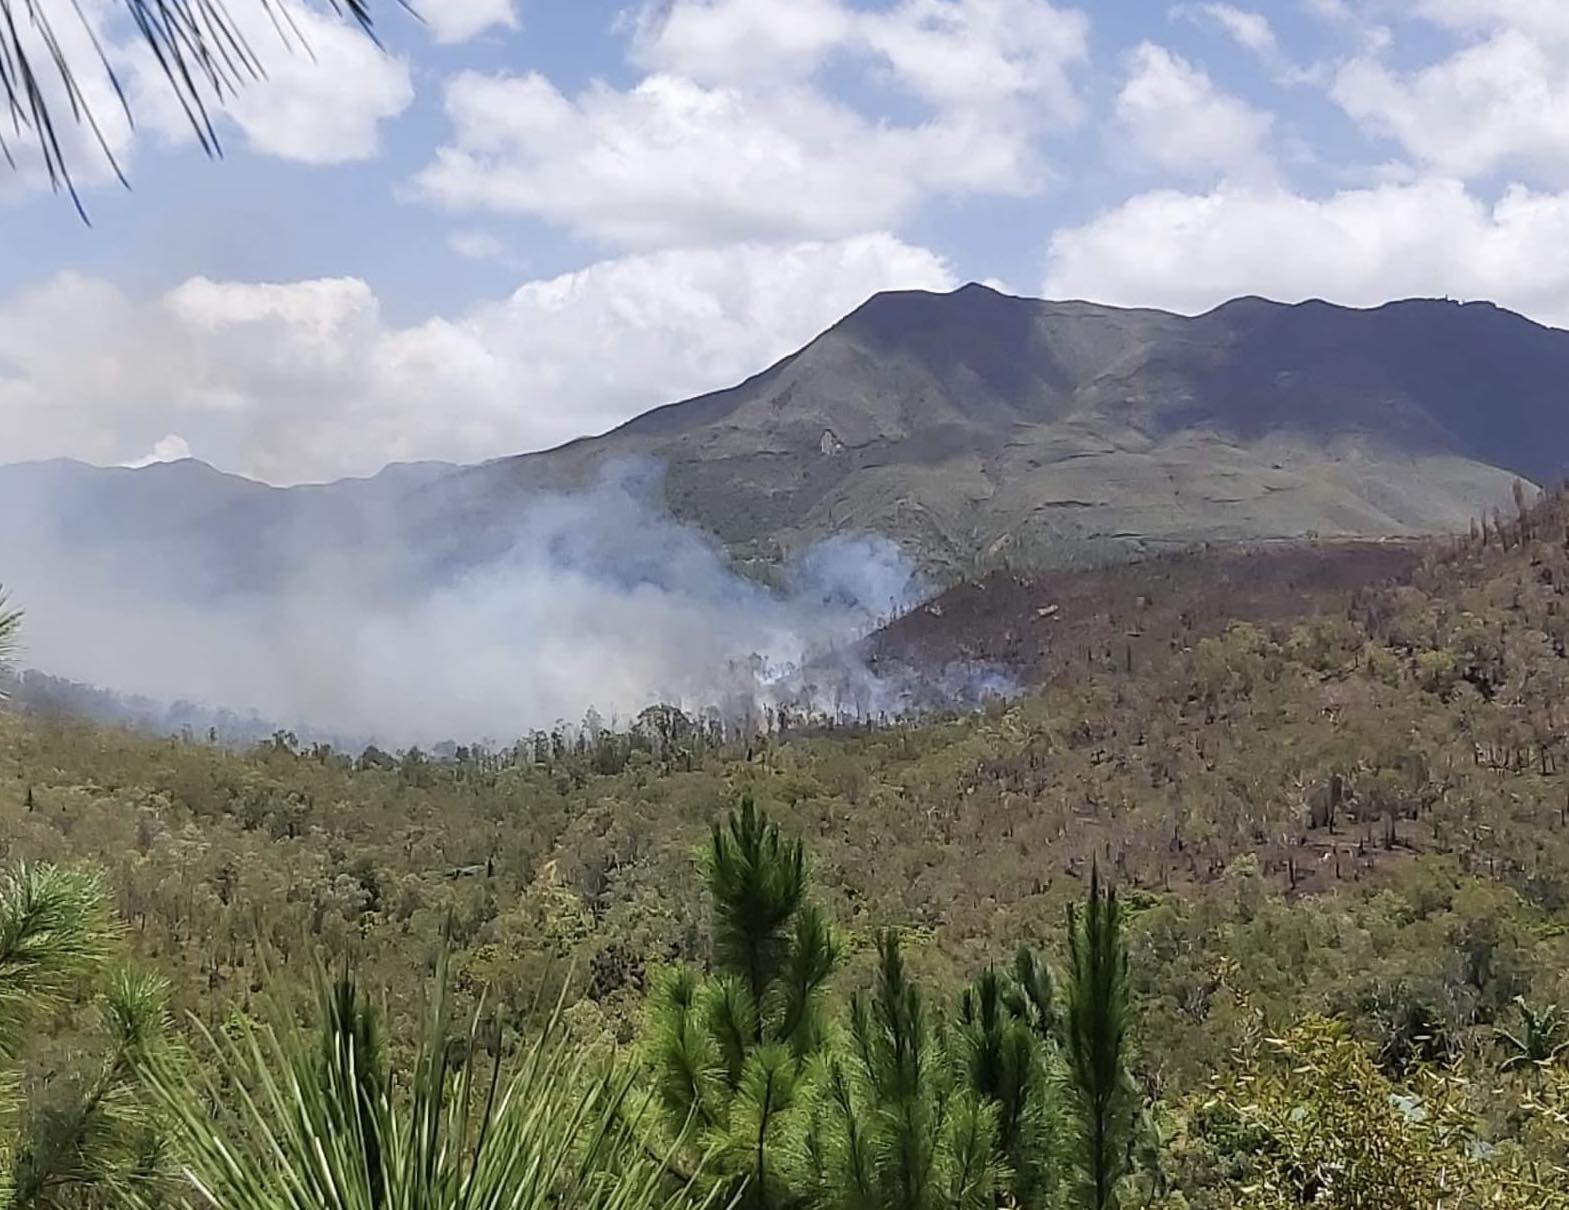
[198,46]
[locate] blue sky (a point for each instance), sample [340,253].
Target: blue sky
[529,220]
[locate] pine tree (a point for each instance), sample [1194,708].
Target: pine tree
[57,936]
[1101,1096]
[1007,1024]
[728,1050]
[894,1125]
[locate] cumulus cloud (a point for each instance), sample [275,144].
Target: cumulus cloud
[1250,30]
[738,41]
[731,136]
[453,21]
[1178,120]
[1428,237]
[307,381]
[1499,104]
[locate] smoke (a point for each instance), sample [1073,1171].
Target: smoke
[598,599]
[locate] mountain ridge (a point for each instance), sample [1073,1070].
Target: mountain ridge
[950,421]
[975,425]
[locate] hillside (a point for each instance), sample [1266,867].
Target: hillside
[1330,783]
[975,427]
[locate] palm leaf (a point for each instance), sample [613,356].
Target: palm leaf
[198,46]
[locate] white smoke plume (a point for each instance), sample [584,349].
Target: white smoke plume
[599,600]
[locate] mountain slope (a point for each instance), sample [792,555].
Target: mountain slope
[975,423]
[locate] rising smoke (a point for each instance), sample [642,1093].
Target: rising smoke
[598,599]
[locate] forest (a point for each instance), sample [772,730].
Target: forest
[1258,896]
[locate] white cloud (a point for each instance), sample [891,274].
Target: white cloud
[306,380]
[671,161]
[739,41]
[323,100]
[1494,105]
[1189,252]
[1547,19]
[1177,119]
[717,145]
[982,54]
[477,245]
[453,21]
[1250,30]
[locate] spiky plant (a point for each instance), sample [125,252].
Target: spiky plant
[1103,1103]
[10,631]
[1008,1047]
[1543,1038]
[727,1050]
[286,1117]
[894,1125]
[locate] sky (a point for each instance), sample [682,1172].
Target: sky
[520,221]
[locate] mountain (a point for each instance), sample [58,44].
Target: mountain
[973,428]
[977,424]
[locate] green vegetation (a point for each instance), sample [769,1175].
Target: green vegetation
[322,1118]
[1340,850]
[82,1135]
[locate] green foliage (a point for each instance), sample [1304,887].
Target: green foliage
[894,1124]
[1308,1119]
[1543,1038]
[1358,803]
[101,1141]
[1096,1047]
[728,1051]
[1007,1043]
[56,929]
[283,1117]
[89,1135]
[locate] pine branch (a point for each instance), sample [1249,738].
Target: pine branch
[56,928]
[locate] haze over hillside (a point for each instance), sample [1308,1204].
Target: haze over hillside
[968,428]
